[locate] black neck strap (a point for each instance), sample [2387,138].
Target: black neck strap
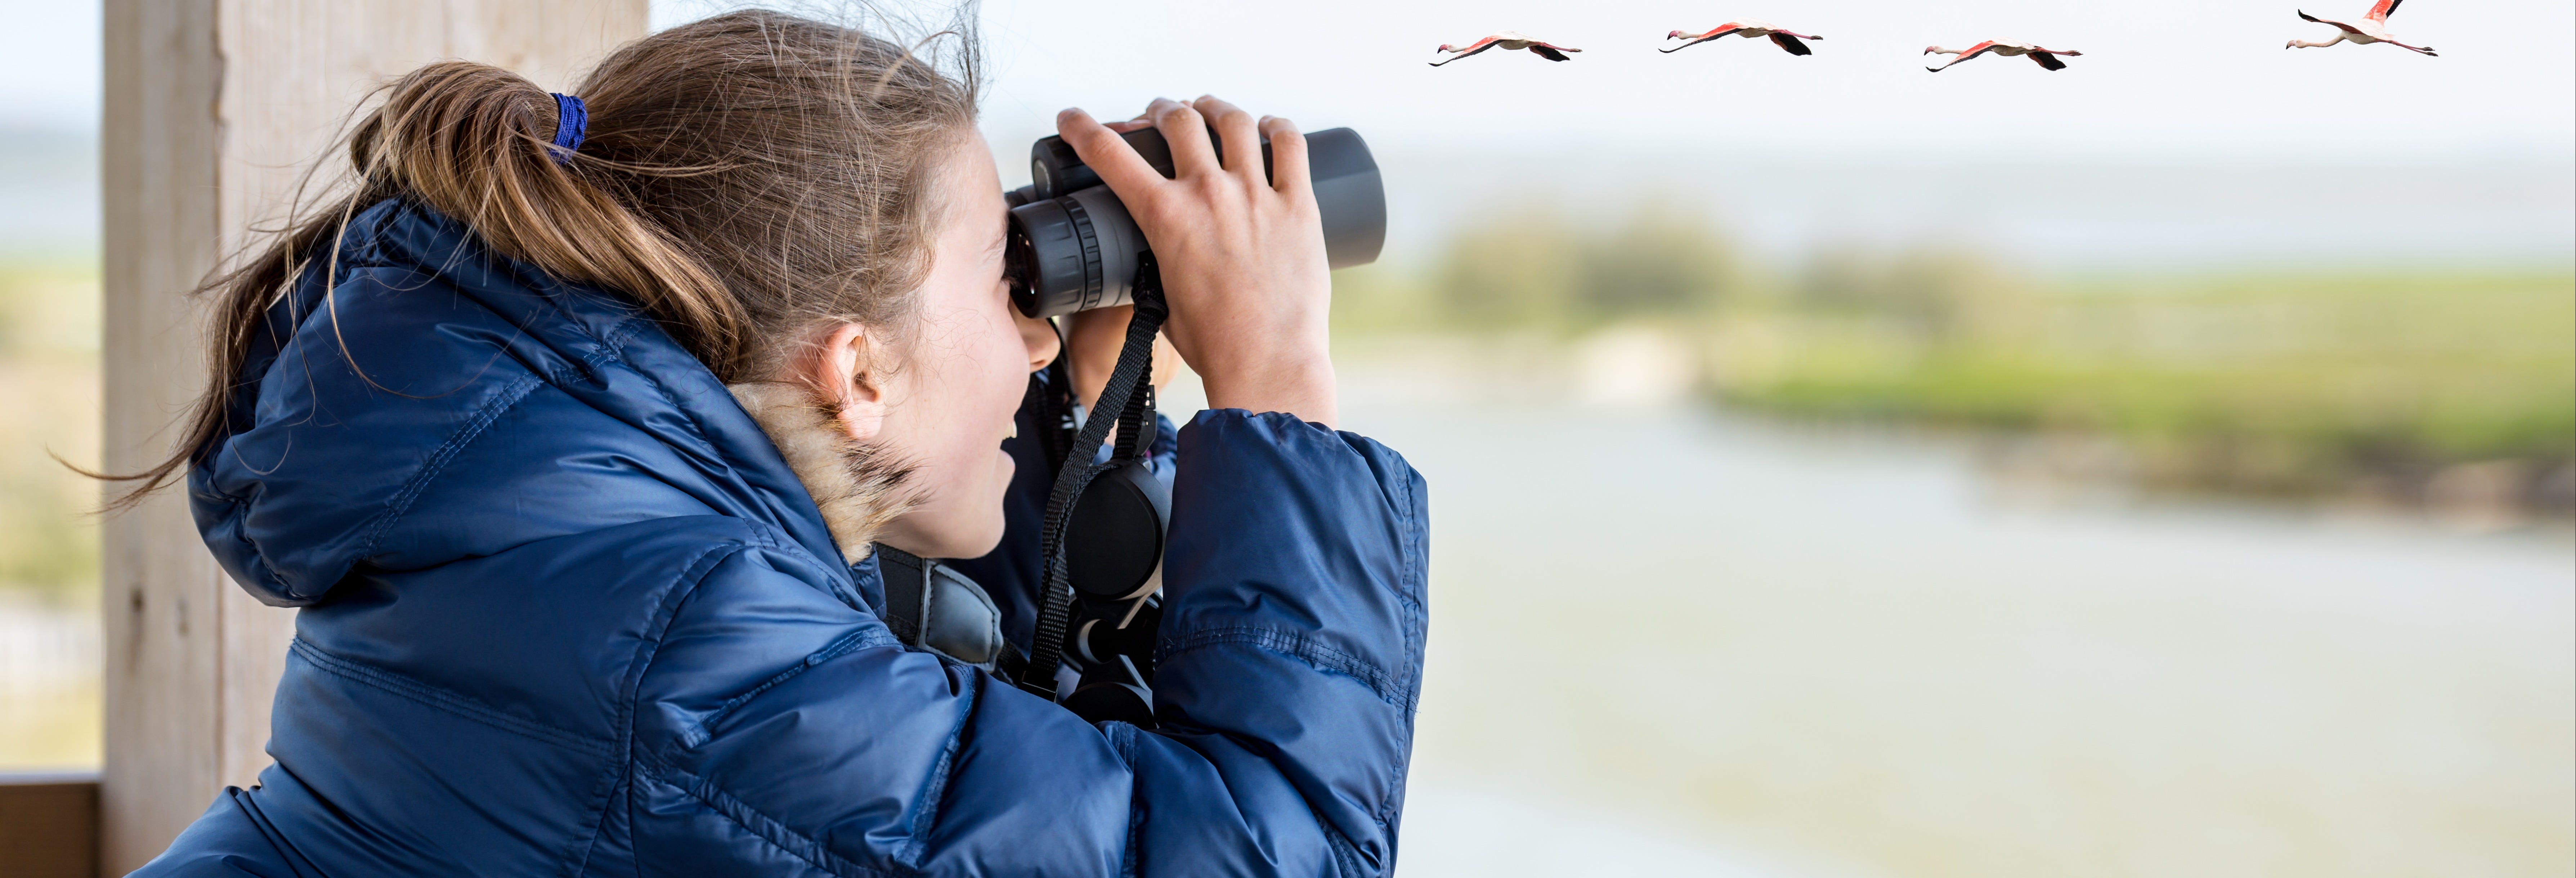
[1128,393]
[1136,421]
[906,578]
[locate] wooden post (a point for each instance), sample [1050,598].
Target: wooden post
[213,110]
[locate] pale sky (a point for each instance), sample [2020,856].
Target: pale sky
[2201,76]
[2352,150]
[49,64]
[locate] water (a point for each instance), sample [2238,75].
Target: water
[49,686]
[1671,642]
[1667,641]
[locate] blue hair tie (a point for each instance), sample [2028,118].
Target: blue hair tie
[572,120]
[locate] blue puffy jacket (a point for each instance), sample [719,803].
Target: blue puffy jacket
[567,611]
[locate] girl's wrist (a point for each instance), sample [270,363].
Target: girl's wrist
[1302,386]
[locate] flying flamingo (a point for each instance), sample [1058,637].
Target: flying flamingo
[1509,41]
[2372,29]
[2046,57]
[1748,29]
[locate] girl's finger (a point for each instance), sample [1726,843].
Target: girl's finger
[1106,153]
[1288,171]
[1242,152]
[1039,337]
[1185,131]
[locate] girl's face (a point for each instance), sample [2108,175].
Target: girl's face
[946,408]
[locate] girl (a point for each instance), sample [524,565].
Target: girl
[572,436]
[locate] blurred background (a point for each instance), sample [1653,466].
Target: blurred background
[2161,467]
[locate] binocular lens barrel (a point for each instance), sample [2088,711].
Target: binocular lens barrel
[1073,246]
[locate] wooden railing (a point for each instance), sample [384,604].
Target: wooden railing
[49,825]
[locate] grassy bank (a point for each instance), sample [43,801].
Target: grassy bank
[2425,388]
[2430,388]
[49,384]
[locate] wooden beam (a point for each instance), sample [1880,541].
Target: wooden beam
[214,108]
[158,148]
[49,825]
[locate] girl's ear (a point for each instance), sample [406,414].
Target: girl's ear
[843,373]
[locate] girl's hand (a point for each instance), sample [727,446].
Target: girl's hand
[1093,339]
[1242,258]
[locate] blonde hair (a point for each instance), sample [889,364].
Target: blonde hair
[743,177]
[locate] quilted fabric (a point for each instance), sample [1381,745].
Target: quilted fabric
[565,611]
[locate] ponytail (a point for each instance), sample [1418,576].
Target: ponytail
[478,144]
[734,182]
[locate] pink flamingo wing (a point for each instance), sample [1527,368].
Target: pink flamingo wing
[2381,10]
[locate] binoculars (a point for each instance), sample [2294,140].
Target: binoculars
[1073,246]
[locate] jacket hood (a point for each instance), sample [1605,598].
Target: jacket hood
[429,401]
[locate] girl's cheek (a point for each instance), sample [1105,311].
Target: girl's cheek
[1011,359]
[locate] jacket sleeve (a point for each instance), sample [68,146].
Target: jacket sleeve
[1291,658]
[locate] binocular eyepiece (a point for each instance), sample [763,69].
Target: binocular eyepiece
[1073,246]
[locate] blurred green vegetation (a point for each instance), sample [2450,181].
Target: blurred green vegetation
[2398,385]
[1537,270]
[2266,382]
[49,384]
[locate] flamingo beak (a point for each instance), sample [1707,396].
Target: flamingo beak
[1674,35]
